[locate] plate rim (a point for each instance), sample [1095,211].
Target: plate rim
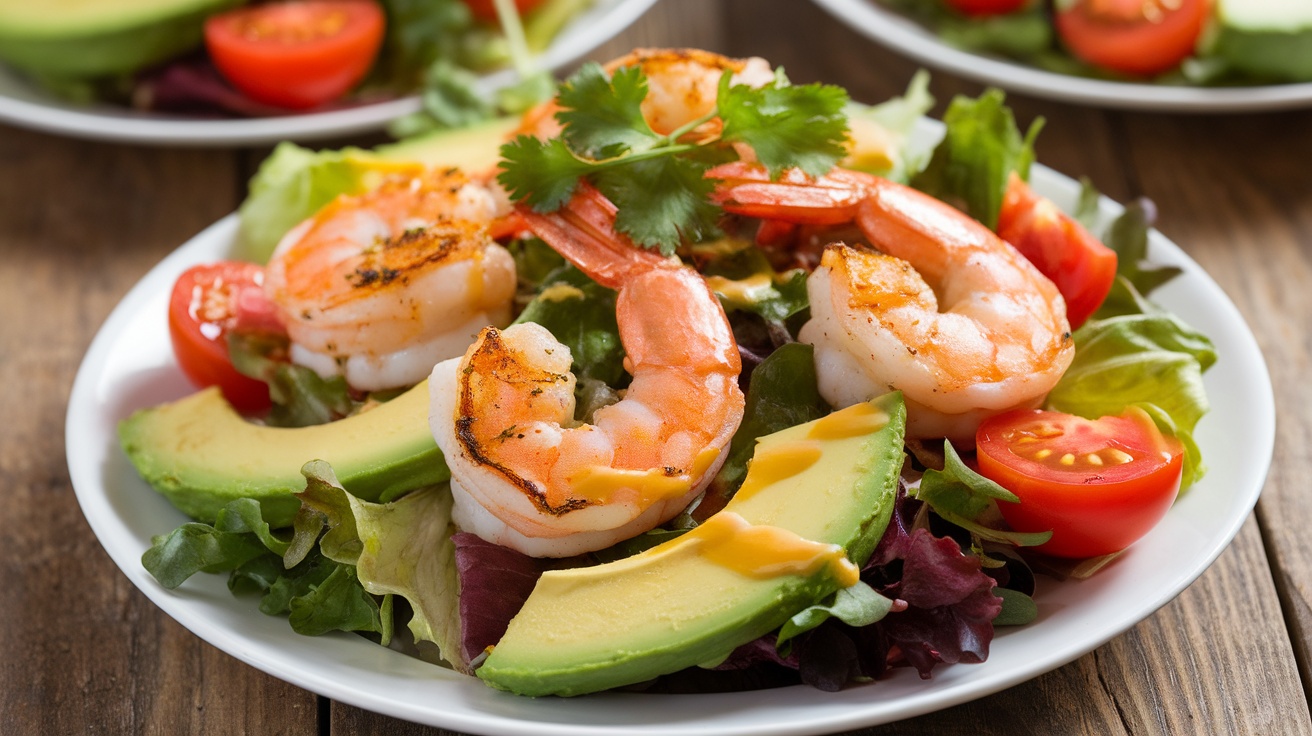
[117,125]
[910,39]
[91,494]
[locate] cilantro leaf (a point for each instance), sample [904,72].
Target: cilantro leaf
[602,117]
[802,126]
[661,201]
[542,173]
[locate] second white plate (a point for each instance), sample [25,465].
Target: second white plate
[911,39]
[25,105]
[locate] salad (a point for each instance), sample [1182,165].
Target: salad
[631,435]
[1185,42]
[236,59]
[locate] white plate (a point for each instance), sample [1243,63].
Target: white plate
[26,105]
[911,39]
[130,365]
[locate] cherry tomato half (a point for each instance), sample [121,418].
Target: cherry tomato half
[1078,263]
[203,309]
[1098,484]
[485,10]
[296,54]
[987,7]
[1140,37]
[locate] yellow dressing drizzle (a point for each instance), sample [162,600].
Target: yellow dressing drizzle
[742,291]
[600,483]
[561,292]
[762,551]
[855,420]
[773,463]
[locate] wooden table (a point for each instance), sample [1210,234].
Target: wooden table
[82,651]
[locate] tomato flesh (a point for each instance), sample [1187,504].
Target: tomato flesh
[1082,268]
[1137,37]
[987,7]
[1098,485]
[296,55]
[207,303]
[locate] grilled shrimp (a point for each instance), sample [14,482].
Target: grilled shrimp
[944,311]
[381,286]
[524,473]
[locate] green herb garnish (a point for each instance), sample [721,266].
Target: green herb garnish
[658,182]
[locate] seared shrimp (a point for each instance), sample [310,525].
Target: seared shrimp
[381,286]
[946,312]
[524,473]
[681,87]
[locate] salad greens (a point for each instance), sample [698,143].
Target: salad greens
[946,570]
[980,150]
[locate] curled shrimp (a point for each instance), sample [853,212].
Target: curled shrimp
[944,310]
[524,473]
[379,287]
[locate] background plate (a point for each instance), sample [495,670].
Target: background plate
[130,366]
[911,39]
[28,106]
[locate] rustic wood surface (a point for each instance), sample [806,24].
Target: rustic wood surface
[82,651]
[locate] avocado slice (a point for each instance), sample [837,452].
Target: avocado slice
[200,454]
[1266,38]
[831,481]
[473,148]
[81,39]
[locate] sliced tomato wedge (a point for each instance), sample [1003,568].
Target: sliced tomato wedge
[987,7]
[1138,37]
[207,303]
[1061,248]
[296,55]
[1097,484]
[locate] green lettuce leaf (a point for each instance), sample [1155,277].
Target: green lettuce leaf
[969,500]
[317,594]
[980,149]
[860,605]
[898,116]
[782,394]
[301,397]
[1154,361]
[400,548]
[239,534]
[419,33]
[292,184]
[1018,609]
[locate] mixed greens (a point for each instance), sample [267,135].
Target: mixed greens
[946,571]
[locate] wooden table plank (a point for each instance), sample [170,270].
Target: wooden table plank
[81,650]
[1239,200]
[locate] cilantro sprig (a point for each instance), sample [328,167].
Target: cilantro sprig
[656,181]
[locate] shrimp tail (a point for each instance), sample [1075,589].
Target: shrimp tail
[583,231]
[745,188]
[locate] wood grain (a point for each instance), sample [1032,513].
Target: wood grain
[81,651]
